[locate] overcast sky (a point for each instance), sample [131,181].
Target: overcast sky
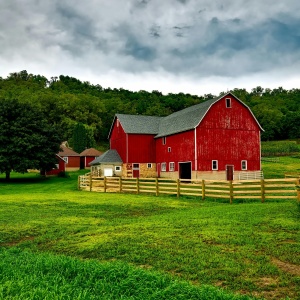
[189,46]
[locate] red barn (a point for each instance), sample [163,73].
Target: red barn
[87,156]
[217,139]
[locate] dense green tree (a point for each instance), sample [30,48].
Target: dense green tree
[82,138]
[27,140]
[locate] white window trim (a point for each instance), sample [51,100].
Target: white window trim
[212,165]
[169,149]
[228,101]
[246,165]
[163,167]
[118,168]
[164,140]
[171,166]
[149,166]
[66,159]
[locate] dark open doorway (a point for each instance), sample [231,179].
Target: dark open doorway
[185,170]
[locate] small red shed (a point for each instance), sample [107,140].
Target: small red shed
[71,158]
[87,156]
[60,167]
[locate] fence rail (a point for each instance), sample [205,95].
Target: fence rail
[285,188]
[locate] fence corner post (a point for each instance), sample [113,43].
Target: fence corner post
[298,189]
[178,187]
[263,190]
[203,189]
[230,191]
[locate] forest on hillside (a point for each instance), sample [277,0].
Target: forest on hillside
[68,102]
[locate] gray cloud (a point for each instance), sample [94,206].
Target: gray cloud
[212,38]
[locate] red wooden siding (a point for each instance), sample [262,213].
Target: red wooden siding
[73,162]
[228,135]
[141,148]
[182,149]
[118,140]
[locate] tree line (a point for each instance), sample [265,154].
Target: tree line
[71,105]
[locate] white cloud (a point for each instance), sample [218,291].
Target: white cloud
[172,46]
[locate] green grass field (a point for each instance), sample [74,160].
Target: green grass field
[60,243]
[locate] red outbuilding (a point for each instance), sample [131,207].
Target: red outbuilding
[87,156]
[216,139]
[71,158]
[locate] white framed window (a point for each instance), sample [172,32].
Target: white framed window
[228,102]
[149,166]
[171,166]
[163,167]
[214,165]
[164,140]
[56,166]
[244,165]
[136,166]
[118,168]
[169,149]
[66,159]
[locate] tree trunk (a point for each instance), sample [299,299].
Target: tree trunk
[7,177]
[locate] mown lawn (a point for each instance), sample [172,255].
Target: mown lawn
[145,247]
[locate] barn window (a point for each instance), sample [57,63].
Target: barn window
[244,165]
[228,102]
[169,149]
[118,168]
[214,165]
[163,167]
[149,166]
[66,159]
[164,140]
[136,166]
[171,166]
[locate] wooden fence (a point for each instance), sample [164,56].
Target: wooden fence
[285,188]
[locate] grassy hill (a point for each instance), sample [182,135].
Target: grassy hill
[60,243]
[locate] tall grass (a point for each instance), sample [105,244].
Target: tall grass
[25,275]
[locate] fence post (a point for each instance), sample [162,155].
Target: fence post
[137,185]
[178,187]
[156,186]
[91,182]
[120,184]
[230,191]
[104,184]
[203,189]
[263,190]
[79,183]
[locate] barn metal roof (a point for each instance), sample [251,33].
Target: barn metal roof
[139,124]
[110,156]
[185,119]
[180,121]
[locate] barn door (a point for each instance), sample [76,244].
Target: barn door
[185,170]
[136,170]
[229,172]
